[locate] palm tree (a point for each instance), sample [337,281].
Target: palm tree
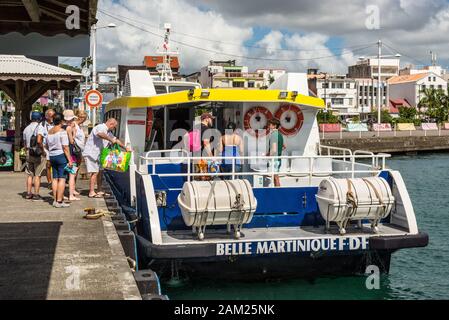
[86,62]
[436,104]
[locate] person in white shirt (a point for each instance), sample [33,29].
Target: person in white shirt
[77,139]
[35,165]
[60,159]
[46,125]
[99,139]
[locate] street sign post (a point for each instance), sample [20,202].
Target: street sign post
[94,99]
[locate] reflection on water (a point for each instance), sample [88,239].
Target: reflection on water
[414,274]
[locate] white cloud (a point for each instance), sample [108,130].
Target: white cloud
[412,27]
[128,45]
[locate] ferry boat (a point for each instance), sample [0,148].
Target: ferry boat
[336,211]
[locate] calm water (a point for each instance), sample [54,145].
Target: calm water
[414,274]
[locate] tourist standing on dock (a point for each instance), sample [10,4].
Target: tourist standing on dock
[33,137]
[46,125]
[60,159]
[276,146]
[77,142]
[99,139]
[231,146]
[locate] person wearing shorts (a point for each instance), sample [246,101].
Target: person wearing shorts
[46,125]
[60,160]
[34,166]
[276,146]
[99,139]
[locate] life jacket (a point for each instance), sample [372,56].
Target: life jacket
[194,142]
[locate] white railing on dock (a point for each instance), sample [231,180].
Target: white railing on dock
[294,166]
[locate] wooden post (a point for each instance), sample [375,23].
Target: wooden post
[18,124]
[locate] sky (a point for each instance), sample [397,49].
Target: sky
[290,34]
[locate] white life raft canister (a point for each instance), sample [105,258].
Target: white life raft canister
[343,200]
[217,203]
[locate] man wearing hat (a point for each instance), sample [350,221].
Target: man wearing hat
[33,137]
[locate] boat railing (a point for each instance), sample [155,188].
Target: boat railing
[291,166]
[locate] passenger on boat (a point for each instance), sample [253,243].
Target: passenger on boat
[276,146]
[231,146]
[202,165]
[206,124]
[99,139]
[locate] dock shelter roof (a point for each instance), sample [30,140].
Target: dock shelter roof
[46,28]
[25,80]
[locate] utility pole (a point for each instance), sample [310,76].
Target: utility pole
[379,101]
[94,68]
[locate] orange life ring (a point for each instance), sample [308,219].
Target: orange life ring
[149,125]
[285,115]
[256,114]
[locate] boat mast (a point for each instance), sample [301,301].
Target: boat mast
[165,71]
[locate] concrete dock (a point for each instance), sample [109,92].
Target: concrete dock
[49,253]
[392,145]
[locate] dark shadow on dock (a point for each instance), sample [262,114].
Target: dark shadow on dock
[27,253]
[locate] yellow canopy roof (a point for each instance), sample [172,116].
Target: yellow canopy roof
[217,95]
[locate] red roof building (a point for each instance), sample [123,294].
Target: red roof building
[151,63]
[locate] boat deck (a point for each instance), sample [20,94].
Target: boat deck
[268,234]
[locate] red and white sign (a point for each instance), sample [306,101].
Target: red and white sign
[94,98]
[382,127]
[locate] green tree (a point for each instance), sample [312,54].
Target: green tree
[326,117]
[436,103]
[86,62]
[385,117]
[409,115]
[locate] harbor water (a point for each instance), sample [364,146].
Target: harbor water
[415,273]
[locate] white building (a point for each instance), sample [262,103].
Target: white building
[410,70]
[367,94]
[270,75]
[369,68]
[338,92]
[226,74]
[409,87]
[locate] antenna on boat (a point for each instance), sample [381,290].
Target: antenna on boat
[164,69]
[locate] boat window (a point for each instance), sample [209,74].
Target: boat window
[180,88]
[117,115]
[160,89]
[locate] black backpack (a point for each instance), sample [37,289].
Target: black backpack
[35,150]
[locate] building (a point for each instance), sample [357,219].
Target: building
[411,70]
[108,83]
[368,69]
[338,92]
[410,87]
[270,75]
[154,64]
[367,94]
[226,74]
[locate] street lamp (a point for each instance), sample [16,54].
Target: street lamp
[93,39]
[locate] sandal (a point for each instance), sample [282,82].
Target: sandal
[103,194]
[74,199]
[95,196]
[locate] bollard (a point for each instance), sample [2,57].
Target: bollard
[128,240]
[121,225]
[118,217]
[111,203]
[147,282]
